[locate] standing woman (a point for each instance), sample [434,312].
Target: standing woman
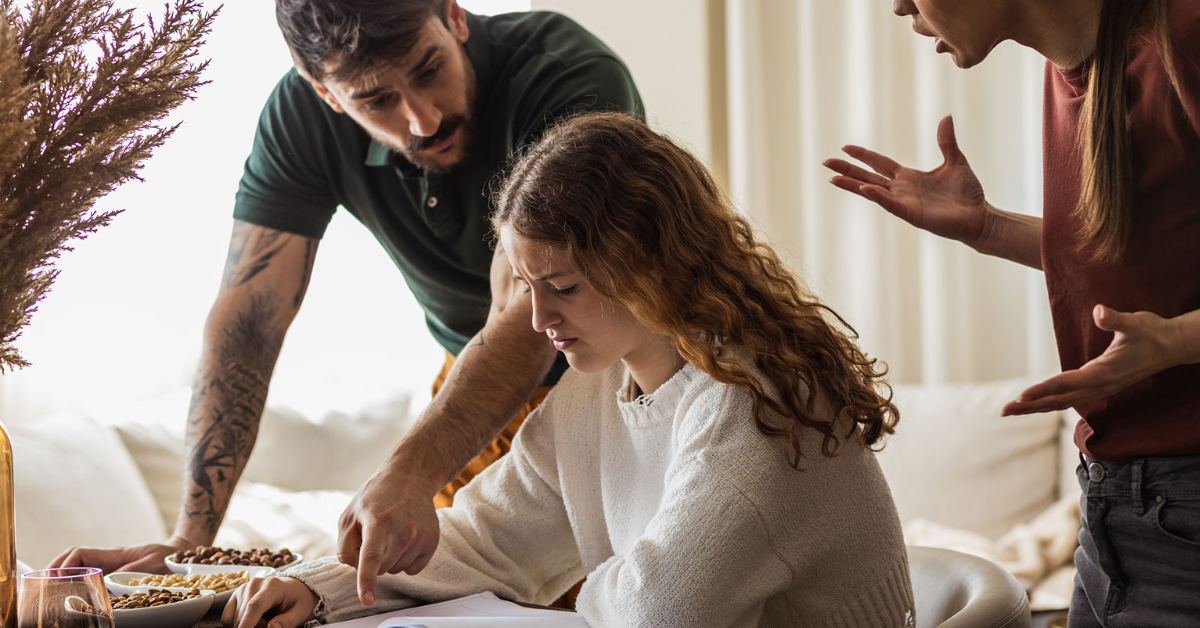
[1120,245]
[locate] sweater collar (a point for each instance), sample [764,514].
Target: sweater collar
[650,409]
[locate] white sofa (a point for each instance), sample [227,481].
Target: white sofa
[114,476]
[963,477]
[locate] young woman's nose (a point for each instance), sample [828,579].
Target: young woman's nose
[544,316]
[904,7]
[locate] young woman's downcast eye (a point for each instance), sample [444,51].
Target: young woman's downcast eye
[562,292]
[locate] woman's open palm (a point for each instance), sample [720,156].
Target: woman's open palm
[947,201]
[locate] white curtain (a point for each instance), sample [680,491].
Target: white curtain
[808,76]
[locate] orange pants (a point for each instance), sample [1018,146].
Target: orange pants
[494,450]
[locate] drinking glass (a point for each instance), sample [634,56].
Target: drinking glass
[72,597]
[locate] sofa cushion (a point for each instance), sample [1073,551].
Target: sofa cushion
[152,431]
[1068,482]
[261,515]
[955,461]
[77,485]
[337,451]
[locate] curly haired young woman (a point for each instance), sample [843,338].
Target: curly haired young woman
[708,459]
[1119,242]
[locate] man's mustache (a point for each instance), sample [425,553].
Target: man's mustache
[445,129]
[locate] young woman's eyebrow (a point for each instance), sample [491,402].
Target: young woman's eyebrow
[545,277]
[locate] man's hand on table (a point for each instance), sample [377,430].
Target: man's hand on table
[389,527]
[147,558]
[270,602]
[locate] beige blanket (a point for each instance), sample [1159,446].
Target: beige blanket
[1039,553]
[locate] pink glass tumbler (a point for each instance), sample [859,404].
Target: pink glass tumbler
[72,597]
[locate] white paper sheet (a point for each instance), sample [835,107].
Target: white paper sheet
[473,611]
[566,621]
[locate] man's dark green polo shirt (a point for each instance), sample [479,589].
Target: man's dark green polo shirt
[530,68]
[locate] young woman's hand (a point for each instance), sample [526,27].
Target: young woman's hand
[947,201]
[1143,344]
[270,602]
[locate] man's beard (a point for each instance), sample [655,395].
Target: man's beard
[466,139]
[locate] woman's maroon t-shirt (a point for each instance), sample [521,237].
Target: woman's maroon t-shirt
[1159,416]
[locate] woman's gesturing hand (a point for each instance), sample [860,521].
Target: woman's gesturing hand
[1143,344]
[947,201]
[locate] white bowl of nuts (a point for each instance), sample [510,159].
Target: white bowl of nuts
[205,560]
[161,608]
[221,584]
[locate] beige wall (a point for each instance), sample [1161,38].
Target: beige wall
[665,43]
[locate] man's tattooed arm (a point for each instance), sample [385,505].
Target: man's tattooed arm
[251,252]
[266,275]
[227,404]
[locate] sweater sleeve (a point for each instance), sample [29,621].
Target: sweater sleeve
[705,559]
[507,533]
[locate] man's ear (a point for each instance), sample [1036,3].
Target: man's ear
[456,21]
[321,91]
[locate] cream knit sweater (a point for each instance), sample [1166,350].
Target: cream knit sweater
[677,510]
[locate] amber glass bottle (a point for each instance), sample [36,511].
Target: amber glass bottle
[8,548]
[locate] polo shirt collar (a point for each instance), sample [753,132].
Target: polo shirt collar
[478,51]
[378,154]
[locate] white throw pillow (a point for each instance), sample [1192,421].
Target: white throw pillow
[335,452]
[955,461]
[152,431]
[305,522]
[1068,482]
[77,485]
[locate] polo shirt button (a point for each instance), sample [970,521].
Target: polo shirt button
[1095,472]
[432,202]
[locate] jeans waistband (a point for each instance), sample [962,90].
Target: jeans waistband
[1155,476]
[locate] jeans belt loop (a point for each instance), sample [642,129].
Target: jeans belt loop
[1136,487]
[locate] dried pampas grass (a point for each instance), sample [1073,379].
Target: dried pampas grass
[83,92]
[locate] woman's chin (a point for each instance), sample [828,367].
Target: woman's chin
[584,363]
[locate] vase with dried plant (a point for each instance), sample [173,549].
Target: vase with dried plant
[85,89]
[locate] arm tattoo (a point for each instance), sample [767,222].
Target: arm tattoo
[310,249]
[257,253]
[235,391]
[477,344]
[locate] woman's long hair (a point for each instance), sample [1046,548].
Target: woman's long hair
[649,228]
[1107,193]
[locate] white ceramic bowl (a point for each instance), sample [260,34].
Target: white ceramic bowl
[198,568]
[118,583]
[174,615]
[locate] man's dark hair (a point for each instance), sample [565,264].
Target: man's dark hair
[363,34]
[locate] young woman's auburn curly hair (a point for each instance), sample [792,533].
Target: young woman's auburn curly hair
[650,229]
